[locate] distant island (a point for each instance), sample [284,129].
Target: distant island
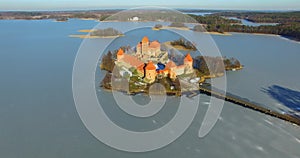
[178,24]
[61,19]
[100,33]
[174,25]
[151,63]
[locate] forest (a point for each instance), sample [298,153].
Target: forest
[288,23]
[207,65]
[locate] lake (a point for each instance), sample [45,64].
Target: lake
[199,13]
[243,21]
[38,117]
[250,23]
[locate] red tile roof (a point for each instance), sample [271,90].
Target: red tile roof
[141,67]
[132,60]
[120,52]
[145,39]
[170,65]
[150,66]
[154,44]
[188,57]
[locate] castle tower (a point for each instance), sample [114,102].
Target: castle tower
[145,45]
[139,50]
[120,55]
[188,63]
[150,72]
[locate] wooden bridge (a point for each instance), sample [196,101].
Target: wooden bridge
[239,101]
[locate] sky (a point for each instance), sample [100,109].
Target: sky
[103,4]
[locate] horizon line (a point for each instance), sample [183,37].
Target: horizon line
[126,8]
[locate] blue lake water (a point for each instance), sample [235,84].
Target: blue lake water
[38,117]
[199,13]
[250,23]
[243,21]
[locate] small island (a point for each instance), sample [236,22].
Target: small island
[182,44]
[174,25]
[135,71]
[157,27]
[61,19]
[100,33]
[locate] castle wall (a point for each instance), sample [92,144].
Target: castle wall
[179,70]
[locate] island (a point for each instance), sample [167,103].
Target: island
[158,27]
[174,25]
[182,44]
[61,19]
[100,33]
[136,70]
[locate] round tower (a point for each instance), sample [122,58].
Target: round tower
[120,55]
[150,72]
[145,45]
[188,62]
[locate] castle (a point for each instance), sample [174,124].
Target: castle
[151,62]
[146,50]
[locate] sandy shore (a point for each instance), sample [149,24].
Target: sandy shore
[156,29]
[264,34]
[235,69]
[88,36]
[86,31]
[203,78]
[218,33]
[169,27]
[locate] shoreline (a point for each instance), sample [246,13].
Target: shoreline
[169,93]
[265,34]
[270,35]
[235,69]
[169,27]
[219,33]
[93,37]
[60,21]
[86,30]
